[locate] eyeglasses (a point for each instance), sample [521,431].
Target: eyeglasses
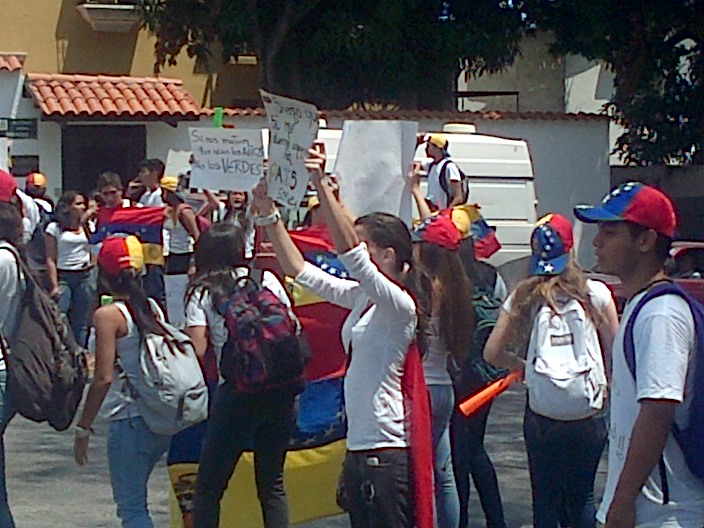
[110,193]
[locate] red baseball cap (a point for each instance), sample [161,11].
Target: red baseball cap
[439,230]
[8,186]
[119,253]
[633,202]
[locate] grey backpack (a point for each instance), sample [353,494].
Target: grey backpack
[169,388]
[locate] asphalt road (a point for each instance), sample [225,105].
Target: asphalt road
[48,490]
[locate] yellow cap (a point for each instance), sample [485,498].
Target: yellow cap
[438,140]
[170,183]
[463,216]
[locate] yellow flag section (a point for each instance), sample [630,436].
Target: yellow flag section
[310,478]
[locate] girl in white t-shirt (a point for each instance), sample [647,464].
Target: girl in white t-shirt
[265,419]
[69,264]
[562,454]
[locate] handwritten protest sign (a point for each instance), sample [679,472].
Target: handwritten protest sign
[372,165]
[293,125]
[226,158]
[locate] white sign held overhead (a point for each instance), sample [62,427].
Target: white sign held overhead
[372,164]
[294,126]
[4,155]
[226,158]
[177,163]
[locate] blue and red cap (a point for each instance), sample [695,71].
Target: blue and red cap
[551,243]
[633,202]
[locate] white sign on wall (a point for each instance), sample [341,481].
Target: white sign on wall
[226,158]
[4,154]
[372,164]
[293,127]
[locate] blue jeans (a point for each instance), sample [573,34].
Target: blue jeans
[447,505]
[562,459]
[7,411]
[133,451]
[77,296]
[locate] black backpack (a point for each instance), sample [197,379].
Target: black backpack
[35,249]
[445,185]
[46,368]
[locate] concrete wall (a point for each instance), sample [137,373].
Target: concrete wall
[536,75]
[56,39]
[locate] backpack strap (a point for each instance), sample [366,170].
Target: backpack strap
[659,289]
[442,177]
[257,275]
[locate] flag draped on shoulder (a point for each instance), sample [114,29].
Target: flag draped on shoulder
[146,223]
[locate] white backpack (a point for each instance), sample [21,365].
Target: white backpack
[169,389]
[564,367]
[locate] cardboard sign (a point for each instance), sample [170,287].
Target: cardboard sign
[226,158]
[372,164]
[293,127]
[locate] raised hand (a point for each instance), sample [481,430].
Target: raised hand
[262,203]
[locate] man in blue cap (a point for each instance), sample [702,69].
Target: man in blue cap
[650,481]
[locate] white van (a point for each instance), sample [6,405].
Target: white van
[500,181]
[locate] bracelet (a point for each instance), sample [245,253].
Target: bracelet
[82,432]
[264,221]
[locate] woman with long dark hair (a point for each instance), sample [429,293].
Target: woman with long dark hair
[236,418]
[133,449]
[380,477]
[449,341]
[69,264]
[563,453]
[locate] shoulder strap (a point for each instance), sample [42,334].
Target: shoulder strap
[442,177]
[257,275]
[658,290]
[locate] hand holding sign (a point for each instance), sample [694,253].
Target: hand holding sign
[294,126]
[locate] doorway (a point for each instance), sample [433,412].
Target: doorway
[88,150]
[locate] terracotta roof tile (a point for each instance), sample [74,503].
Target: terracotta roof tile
[416,115]
[106,96]
[12,61]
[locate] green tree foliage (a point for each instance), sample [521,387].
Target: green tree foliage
[403,52]
[654,47]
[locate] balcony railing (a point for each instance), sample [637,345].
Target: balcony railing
[115,16]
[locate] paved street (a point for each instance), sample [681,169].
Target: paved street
[48,490]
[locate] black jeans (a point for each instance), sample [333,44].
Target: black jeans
[470,457]
[237,420]
[379,488]
[562,459]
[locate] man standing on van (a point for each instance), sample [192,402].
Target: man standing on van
[447,184]
[650,481]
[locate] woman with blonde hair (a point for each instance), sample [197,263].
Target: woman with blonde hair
[558,326]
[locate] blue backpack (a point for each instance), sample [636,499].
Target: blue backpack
[691,439]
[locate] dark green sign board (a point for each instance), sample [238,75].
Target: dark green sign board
[18,128]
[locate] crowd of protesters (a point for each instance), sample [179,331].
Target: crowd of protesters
[412,337]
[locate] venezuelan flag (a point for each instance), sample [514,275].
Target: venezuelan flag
[317,447]
[144,222]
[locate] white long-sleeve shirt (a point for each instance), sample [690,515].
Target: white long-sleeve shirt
[378,332]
